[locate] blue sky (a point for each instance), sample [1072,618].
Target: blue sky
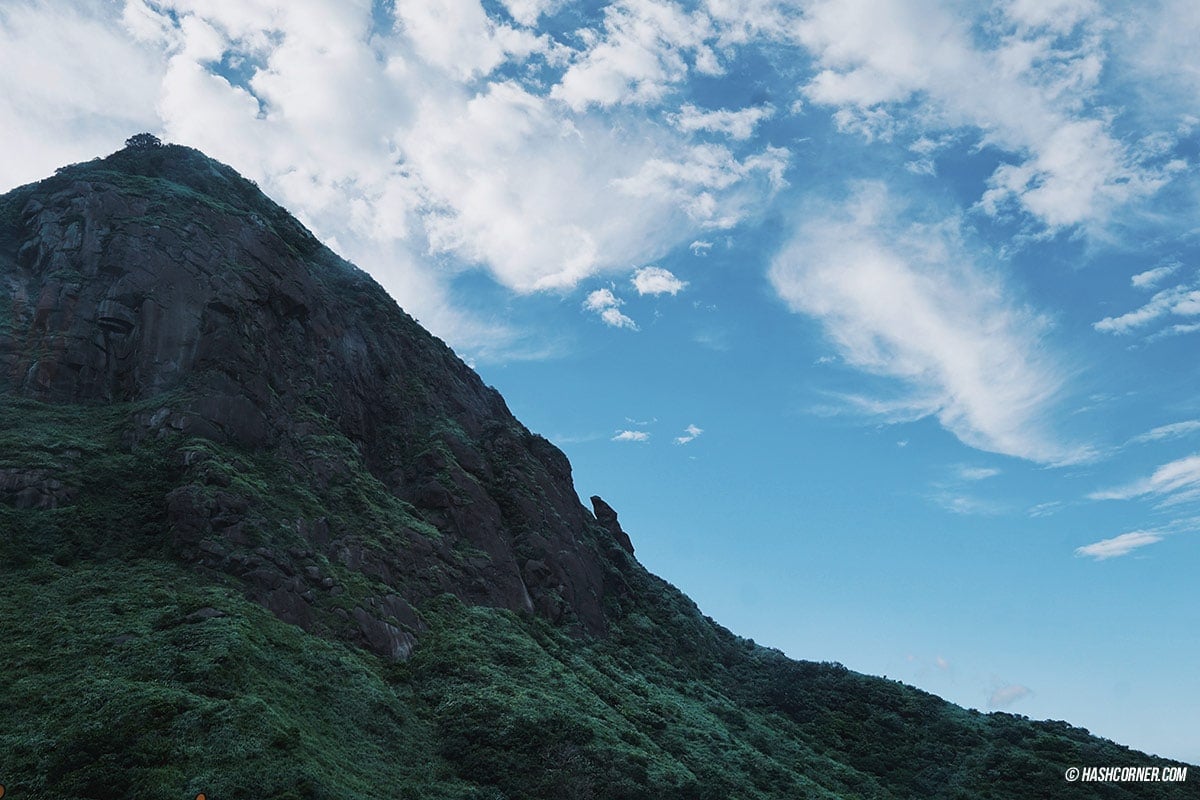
[876,323]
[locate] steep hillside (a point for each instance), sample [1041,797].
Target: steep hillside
[262,536]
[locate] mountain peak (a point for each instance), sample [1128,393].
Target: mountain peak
[264,536]
[160,282]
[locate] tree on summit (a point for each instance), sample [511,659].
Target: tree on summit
[143,141]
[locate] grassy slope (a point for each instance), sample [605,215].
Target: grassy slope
[109,688]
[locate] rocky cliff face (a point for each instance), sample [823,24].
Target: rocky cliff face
[161,283]
[200,404]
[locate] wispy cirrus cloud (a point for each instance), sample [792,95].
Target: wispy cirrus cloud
[1175,482]
[1005,696]
[906,300]
[967,473]
[1178,301]
[689,434]
[1121,545]
[966,505]
[1174,430]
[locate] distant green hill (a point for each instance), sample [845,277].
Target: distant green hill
[262,536]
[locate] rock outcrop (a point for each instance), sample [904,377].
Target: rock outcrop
[608,518]
[160,281]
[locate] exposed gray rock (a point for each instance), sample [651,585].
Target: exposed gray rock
[608,518]
[384,638]
[223,319]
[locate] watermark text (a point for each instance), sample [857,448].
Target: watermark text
[1170,774]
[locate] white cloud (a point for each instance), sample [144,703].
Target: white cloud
[73,85]
[1181,301]
[642,53]
[606,304]
[1171,431]
[1118,545]
[631,436]
[737,125]
[977,473]
[908,301]
[712,186]
[689,433]
[458,36]
[942,663]
[1155,45]
[656,280]
[700,247]
[1174,330]
[1046,509]
[1147,279]
[918,67]
[742,21]
[1057,15]
[965,504]
[526,12]
[1174,482]
[426,139]
[1005,696]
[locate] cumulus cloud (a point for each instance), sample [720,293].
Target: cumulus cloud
[526,12]
[737,125]
[1150,277]
[1174,482]
[908,301]
[656,280]
[607,305]
[459,37]
[1005,696]
[440,137]
[689,434]
[1118,545]
[644,50]
[712,185]
[1157,45]
[73,84]
[916,68]
[631,436]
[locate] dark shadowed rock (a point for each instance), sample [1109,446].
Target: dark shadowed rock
[205,614]
[608,518]
[161,280]
[383,637]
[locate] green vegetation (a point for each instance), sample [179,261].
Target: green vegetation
[111,689]
[114,686]
[136,665]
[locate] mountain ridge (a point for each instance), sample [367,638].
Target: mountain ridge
[232,457]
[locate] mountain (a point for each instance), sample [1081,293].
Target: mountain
[262,536]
